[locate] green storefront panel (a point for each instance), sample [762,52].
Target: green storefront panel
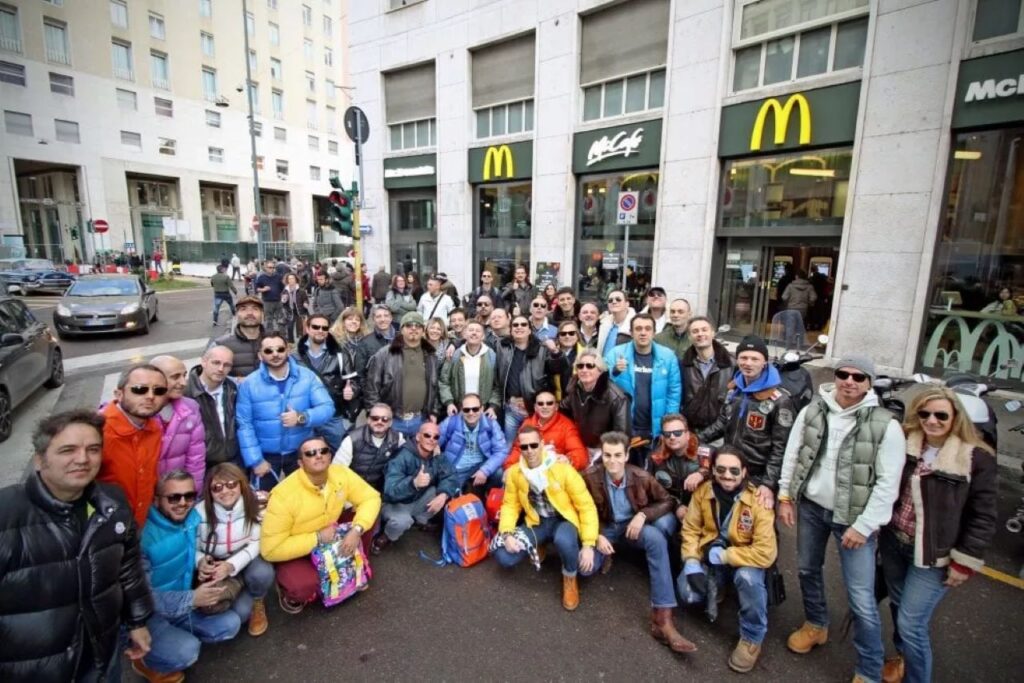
[513,161]
[990,91]
[635,145]
[410,172]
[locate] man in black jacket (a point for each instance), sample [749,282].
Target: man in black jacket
[208,384]
[70,568]
[336,367]
[380,336]
[707,369]
[595,403]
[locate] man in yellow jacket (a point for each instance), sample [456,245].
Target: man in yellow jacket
[557,507]
[726,529]
[305,510]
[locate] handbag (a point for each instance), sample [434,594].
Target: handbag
[775,584]
[340,577]
[232,585]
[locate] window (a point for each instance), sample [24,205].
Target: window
[275,69]
[167,146]
[61,84]
[55,3]
[277,103]
[502,229]
[410,105]
[206,8]
[774,44]
[254,94]
[310,82]
[127,100]
[215,154]
[275,33]
[328,26]
[156,26]
[280,134]
[271,4]
[55,35]
[635,93]
[311,114]
[250,24]
[209,84]
[15,74]
[503,86]
[17,123]
[313,142]
[332,147]
[413,134]
[206,43]
[504,119]
[10,31]
[213,118]
[119,13]
[333,173]
[132,140]
[252,60]
[66,131]
[314,173]
[307,49]
[160,70]
[998,18]
[163,107]
[282,168]
[328,57]
[330,87]
[121,59]
[332,120]
[307,15]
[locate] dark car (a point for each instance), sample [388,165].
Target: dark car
[33,275]
[29,356]
[105,303]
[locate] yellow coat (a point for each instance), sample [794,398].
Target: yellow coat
[751,535]
[567,493]
[297,510]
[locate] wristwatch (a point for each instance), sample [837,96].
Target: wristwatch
[303,419]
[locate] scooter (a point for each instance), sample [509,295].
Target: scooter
[795,377]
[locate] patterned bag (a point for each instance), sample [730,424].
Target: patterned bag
[340,577]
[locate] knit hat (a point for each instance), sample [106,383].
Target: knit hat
[862,363]
[752,343]
[249,301]
[412,318]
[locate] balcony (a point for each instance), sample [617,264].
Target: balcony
[10,43]
[159,82]
[57,56]
[124,73]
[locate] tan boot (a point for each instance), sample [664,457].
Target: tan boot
[744,656]
[570,593]
[258,619]
[155,676]
[805,638]
[664,630]
[893,669]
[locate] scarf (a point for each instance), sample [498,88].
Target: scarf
[768,378]
[538,476]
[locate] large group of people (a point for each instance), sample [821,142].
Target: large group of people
[163,520]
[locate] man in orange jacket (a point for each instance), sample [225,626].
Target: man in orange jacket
[556,430]
[131,436]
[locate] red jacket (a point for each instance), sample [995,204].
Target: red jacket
[561,433]
[130,458]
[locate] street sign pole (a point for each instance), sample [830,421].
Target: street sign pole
[625,260]
[356,248]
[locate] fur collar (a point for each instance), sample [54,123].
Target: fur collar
[955,457]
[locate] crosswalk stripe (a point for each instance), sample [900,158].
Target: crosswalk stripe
[138,353]
[110,380]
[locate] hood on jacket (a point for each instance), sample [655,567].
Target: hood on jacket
[463,351]
[827,392]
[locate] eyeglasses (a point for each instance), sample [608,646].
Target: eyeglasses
[676,432]
[586,366]
[722,469]
[530,446]
[142,390]
[615,299]
[378,418]
[176,498]
[270,350]
[471,409]
[313,452]
[544,403]
[567,333]
[484,304]
[539,304]
[219,486]
[844,375]
[415,326]
[431,437]
[520,324]
[320,328]
[940,415]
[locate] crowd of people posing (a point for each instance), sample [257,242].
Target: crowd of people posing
[163,521]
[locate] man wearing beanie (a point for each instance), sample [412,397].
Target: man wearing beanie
[403,375]
[841,476]
[756,417]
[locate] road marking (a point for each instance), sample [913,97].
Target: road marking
[18,448]
[110,380]
[136,354]
[1004,578]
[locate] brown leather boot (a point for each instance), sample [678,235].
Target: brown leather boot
[893,669]
[805,638]
[744,656]
[570,593]
[156,676]
[664,630]
[258,619]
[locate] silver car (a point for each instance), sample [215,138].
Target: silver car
[106,303]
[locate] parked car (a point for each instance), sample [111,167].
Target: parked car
[33,275]
[29,356]
[106,303]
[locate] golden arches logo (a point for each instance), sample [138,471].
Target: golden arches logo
[496,160]
[782,113]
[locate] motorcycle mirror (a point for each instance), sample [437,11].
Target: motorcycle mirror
[883,383]
[724,328]
[1013,406]
[790,357]
[922,378]
[823,339]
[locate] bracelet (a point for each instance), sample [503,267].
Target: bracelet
[783,498]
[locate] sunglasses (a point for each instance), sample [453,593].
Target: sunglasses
[586,366]
[471,409]
[676,432]
[539,304]
[844,375]
[320,328]
[379,418]
[940,415]
[431,437]
[313,452]
[219,486]
[176,498]
[544,403]
[484,304]
[520,324]
[529,446]
[273,349]
[734,471]
[615,299]
[567,333]
[142,390]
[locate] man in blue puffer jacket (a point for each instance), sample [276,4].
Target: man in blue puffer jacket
[278,406]
[178,626]
[474,445]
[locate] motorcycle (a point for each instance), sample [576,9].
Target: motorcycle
[789,335]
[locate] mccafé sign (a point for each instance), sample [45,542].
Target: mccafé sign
[990,91]
[495,163]
[633,145]
[818,118]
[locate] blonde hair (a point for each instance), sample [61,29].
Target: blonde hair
[338,331]
[437,321]
[962,427]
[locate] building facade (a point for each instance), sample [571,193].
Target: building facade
[136,112]
[720,149]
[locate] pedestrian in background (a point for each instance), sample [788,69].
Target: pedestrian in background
[295,302]
[269,285]
[380,285]
[223,288]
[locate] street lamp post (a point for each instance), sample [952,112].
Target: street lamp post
[252,133]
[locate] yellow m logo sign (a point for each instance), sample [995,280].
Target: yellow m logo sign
[782,114]
[496,160]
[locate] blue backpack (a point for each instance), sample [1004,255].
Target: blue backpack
[466,534]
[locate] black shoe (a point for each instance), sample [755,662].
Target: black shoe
[379,544]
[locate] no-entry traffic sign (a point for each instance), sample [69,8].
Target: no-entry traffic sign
[100,225]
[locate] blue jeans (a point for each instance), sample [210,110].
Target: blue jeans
[513,420]
[556,529]
[750,589]
[176,642]
[668,525]
[858,568]
[219,300]
[407,428]
[281,465]
[914,593]
[655,546]
[333,431]
[258,576]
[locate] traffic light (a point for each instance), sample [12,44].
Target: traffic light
[342,201]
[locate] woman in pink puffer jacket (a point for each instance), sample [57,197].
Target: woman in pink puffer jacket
[183,446]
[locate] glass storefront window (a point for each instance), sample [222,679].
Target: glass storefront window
[413,228]
[802,189]
[976,296]
[601,242]
[503,224]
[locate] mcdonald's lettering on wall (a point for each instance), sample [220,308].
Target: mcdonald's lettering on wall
[498,159]
[509,161]
[782,112]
